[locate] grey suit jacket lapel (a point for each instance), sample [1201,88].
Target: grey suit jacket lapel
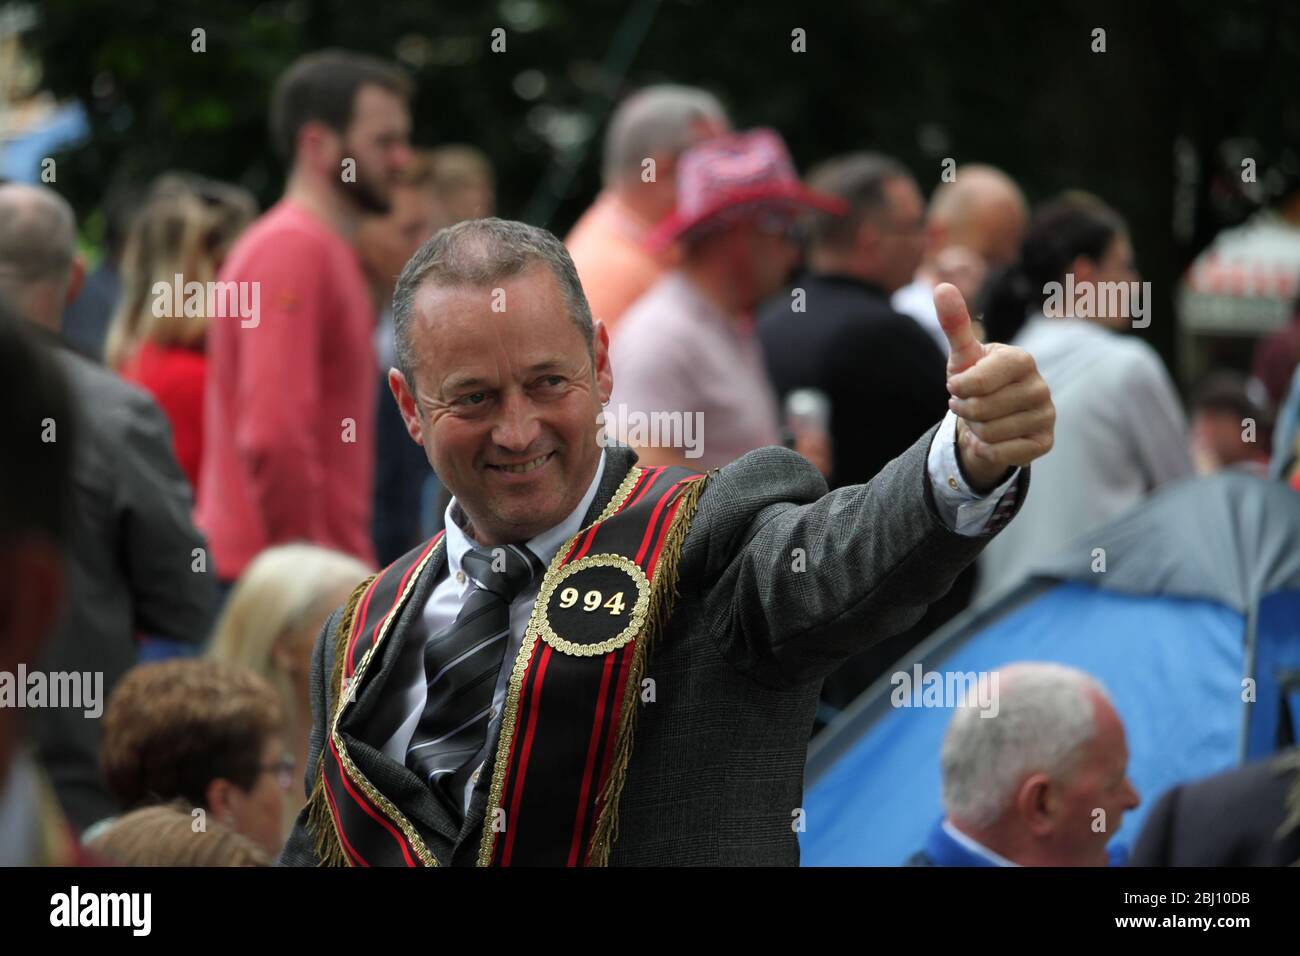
[618,460]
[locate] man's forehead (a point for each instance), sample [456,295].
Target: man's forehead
[481,332]
[532,294]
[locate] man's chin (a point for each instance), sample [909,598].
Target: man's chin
[367,198]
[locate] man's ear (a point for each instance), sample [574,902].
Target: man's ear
[1083,269]
[75,278]
[936,237]
[319,147]
[406,404]
[604,371]
[867,236]
[1035,804]
[219,797]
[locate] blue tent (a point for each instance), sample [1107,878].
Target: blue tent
[1196,612]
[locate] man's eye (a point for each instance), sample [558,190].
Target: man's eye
[474,398]
[553,380]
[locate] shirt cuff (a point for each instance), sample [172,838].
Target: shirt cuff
[962,509]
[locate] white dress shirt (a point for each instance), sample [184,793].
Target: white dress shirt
[1120,433]
[917,301]
[962,509]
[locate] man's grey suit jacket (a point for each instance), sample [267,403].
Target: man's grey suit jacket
[779,582]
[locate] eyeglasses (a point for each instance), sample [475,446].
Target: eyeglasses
[283,768]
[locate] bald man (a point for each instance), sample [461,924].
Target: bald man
[135,562]
[974,225]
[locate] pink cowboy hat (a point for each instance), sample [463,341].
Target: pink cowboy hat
[736,177]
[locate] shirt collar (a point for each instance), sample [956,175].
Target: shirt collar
[853,282]
[974,846]
[543,546]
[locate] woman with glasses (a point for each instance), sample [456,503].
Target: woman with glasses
[203,731]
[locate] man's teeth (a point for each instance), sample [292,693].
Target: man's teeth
[526,466]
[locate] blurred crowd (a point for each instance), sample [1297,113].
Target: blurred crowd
[230,462]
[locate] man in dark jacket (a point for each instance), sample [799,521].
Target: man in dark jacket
[136,564]
[1247,816]
[834,330]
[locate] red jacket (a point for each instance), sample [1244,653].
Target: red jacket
[175,376]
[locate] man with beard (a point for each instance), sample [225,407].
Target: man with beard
[290,404]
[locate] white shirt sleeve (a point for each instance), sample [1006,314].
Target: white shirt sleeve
[964,510]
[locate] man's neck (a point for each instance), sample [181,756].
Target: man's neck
[637,199]
[42,311]
[716,286]
[322,200]
[827,263]
[1000,844]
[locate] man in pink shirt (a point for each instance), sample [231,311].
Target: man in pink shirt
[290,402]
[649,131]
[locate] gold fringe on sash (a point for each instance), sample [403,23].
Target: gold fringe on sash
[662,599]
[1291,763]
[320,822]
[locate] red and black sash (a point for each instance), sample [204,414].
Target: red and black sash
[566,734]
[367,829]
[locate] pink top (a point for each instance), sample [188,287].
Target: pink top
[679,354]
[290,402]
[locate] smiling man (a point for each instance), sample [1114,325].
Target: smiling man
[600,663]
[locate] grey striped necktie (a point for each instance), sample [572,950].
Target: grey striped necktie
[461,664]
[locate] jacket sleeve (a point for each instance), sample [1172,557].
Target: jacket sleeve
[300,848]
[171,588]
[1153,843]
[793,580]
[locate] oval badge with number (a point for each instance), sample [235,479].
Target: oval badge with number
[595,605]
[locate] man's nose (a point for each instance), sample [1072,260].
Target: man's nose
[401,155]
[1132,800]
[516,426]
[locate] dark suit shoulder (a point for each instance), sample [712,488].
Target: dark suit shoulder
[736,495]
[1229,819]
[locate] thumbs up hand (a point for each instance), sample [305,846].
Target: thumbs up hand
[1005,416]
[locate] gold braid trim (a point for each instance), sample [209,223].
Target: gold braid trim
[662,599]
[320,822]
[531,638]
[1291,763]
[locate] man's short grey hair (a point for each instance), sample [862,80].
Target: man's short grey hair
[859,179]
[477,253]
[1046,714]
[38,237]
[655,120]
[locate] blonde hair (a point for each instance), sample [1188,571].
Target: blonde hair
[165,835]
[185,228]
[279,592]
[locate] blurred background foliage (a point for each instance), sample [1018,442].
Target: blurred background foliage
[1156,125]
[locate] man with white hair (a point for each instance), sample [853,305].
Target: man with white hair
[974,224]
[649,131]
[1042,782]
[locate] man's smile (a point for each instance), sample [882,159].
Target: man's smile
[524,467]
